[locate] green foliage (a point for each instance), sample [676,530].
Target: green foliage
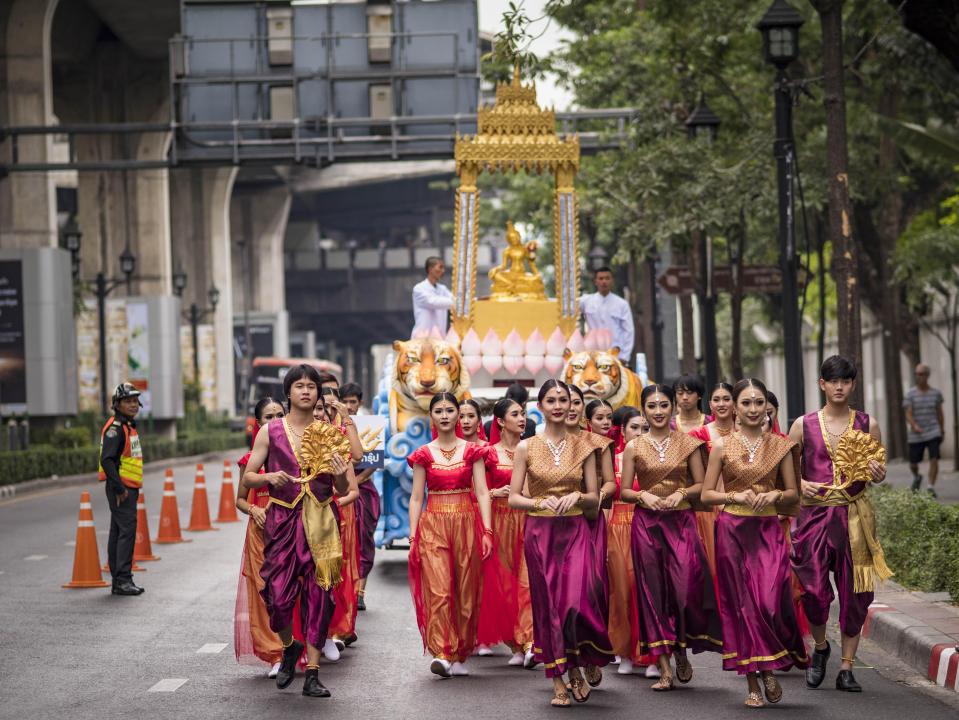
[920,538]
[74,437]
[927,257]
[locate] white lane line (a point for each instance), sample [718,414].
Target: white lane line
[212,648]
[70,543]
[168,685]
[31,558]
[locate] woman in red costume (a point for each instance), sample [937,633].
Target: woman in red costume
[450,538]
[252,637]
[505,613]
[471,423]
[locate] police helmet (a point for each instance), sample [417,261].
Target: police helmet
[124,391]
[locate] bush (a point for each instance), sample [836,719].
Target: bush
[75,437]
[42,461]
[920,537]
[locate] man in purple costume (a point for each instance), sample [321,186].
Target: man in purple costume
[289,569]
[821,541]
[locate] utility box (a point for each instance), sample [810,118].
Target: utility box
[281,103]
[279,35]
[379,25]
[381,102]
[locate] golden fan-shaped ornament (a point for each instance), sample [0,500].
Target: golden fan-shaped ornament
[853,454]
[321,441]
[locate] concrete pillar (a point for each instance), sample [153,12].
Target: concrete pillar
[28,200]
[261,215]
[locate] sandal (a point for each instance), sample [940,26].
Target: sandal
[664,684]
[772,688]
[684,670]
[754,700]
[577,686]
[560,700]
[594,676]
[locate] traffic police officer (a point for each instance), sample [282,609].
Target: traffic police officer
[121,467]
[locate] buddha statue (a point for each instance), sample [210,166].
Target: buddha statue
[511,279]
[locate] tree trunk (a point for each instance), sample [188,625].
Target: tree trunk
[689,364]
[736,297]
[845,261]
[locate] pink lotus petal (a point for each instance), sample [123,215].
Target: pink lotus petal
[556,343]
[471,345]
[576,342]
[473,363]
[513,344]
[605,339]
[492,363]
[553,364]
[513,363]
[420,334]
[492,345]
[593,340]
[536,343]
[533,363]
[453,338]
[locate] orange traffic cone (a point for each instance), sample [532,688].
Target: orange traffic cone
[143,550]
[169,513]
[86,556]
[200,510]
[227,497]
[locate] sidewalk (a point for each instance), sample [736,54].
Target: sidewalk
[899,475]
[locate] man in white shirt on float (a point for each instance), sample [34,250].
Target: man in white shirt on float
[605,309]
[431,299]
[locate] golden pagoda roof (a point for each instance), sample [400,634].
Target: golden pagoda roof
[516,134]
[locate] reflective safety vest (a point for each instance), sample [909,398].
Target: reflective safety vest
[131,459]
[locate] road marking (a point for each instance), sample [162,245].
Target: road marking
[70,543]
[36,557]
[168,685]
[212,648]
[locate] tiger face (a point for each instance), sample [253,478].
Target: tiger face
[598,373]
[425,367]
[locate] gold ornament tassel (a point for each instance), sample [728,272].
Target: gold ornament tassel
[323,535]
[868,560]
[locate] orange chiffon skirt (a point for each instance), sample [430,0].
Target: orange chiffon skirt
[706,529]
[252,636]
[446,575]
[343,624]
[505,612]
[623,610]
[797,589]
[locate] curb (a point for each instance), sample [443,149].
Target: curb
[31,487]
[916,643]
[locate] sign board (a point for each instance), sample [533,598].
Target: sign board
[372,432]
[679,280]
[13,360]
[138,351]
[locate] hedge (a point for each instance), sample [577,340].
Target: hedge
[920,537]
[42,461]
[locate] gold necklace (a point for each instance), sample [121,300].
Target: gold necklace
[509,453]
[448,454]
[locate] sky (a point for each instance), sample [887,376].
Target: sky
[490,20]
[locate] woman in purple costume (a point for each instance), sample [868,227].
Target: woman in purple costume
[675,597]
[760,631]
[566,587]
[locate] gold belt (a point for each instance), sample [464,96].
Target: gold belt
[572,512]
[741,510]
[683,505]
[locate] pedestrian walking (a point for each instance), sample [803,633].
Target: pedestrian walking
[121,468]
[925,427]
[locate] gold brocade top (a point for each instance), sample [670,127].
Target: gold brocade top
[663,478]
[762,474]
[545,478]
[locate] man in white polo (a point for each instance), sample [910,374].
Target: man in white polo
[605,309]
[431,299]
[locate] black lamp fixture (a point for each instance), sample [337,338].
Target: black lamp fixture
[780,28]
[702,123]
[214,296]
[179,282]
[598,257]
[71,240]
[128,263]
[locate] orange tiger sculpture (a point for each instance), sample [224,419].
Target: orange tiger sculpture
[423,368]
[601,374]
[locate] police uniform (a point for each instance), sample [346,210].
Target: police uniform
[121,468]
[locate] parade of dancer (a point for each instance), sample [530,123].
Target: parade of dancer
[689,390]
[449,540]
[471,422]
[623,610]
[836,531]
[760,632]
[675,597]
[302,556]
[558,471]
[252,636]
[505,613]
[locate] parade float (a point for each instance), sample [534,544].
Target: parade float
[517,333]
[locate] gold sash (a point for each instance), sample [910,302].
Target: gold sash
[850,464]
[323,535]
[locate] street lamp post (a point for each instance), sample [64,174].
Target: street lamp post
[103,287]
[71,237]
[780,29]
[703,125]
[195,315]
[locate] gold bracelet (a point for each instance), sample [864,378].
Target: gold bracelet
[538,504]
[780,498]
[684,492]
[602,497]
[348,424]
[729,499]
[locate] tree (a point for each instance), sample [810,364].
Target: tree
[936,21]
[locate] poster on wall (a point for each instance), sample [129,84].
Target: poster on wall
[138,351]
[372,432]
[88,357]
[206,343]
[13,366]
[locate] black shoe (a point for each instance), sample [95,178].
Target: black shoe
[284,675]
[347,641]
[846,681]
[126,588]
[312,687]
[816,672]
[361,604]
[916,482]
